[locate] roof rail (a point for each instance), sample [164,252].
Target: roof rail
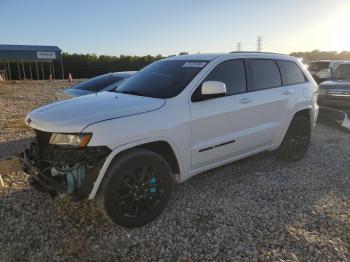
[256,52]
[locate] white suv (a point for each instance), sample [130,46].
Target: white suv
[176,118]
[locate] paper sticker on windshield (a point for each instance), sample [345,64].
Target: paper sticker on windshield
[194,64]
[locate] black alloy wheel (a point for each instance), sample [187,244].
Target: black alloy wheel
[296,141]
[139,192]
[137,188]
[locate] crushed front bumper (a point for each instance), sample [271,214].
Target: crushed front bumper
[62,171]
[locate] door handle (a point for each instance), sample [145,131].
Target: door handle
[287,92]
[246,100]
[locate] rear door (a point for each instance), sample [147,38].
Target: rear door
[270,100]
[295,89]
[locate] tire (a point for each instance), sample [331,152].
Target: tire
[136,188]
[296,141]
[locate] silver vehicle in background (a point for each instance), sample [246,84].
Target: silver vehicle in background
[106,82]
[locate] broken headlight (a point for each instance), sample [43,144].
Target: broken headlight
[78,140]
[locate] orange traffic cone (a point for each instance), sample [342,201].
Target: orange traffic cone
[70,78]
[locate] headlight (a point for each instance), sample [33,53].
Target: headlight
[80,140]
[323,92]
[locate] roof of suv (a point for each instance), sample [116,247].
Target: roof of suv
[209,57]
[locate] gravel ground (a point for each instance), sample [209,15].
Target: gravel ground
[257,209]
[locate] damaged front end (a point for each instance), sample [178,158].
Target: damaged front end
[63,170]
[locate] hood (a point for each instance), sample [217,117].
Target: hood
[73,115]
[336,84]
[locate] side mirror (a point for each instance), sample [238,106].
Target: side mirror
[213,89]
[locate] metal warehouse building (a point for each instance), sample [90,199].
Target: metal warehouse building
[30,62]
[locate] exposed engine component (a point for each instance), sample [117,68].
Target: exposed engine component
[62,171]
[74,175]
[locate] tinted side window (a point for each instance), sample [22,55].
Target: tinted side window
[232,73]
[264,74]
[290,72]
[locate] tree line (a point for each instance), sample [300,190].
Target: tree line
[89,65]
[322,55]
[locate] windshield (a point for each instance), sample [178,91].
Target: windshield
[317,66]
[97,83]
[162,79]
[342,72]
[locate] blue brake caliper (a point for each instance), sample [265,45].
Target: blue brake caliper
[153,182]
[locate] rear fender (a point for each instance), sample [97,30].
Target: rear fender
[299,109]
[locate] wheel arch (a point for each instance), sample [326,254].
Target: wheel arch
[161,146]
[304,111]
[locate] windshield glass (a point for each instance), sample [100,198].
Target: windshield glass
[342,72]
[317,66]
[162,79]
[97,83]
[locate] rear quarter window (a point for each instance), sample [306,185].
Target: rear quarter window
[290,72]
[264,74]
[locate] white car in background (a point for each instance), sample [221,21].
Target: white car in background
[176,118]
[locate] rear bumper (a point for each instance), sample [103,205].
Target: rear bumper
[63,172]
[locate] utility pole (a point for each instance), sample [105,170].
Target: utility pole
[259,43]
[239,46]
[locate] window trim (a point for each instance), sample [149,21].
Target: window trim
[231,59]
[248,75]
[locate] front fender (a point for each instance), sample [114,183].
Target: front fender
[124,147]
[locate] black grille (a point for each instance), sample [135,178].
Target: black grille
[43,139]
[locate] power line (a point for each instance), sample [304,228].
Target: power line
[259,43]
[239,46]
